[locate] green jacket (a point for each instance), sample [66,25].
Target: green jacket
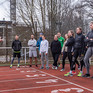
[61,40]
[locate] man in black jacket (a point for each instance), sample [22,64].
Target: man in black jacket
[16,46]
[56,51]
[89,53]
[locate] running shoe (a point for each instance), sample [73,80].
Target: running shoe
[41,67]
[11,66]
[62,69]
[18,66]
[73,72]
[56,68]
[86,75]
[68,74]
[80,74]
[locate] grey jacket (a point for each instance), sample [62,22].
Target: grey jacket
[32,45]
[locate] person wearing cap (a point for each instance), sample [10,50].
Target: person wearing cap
[39,41]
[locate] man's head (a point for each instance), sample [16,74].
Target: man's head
[55,37]
[32,36]
[43,37]
[91,25]
[59,34]
[16,37]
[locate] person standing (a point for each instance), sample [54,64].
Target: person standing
[39,41]
[89,53]
[44,52]
[56,51]
[61,40]
[16,46]
[64,53]
[32,50]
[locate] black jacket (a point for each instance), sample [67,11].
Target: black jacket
[16,45]
[70,44]
[56,47]
[79,41]
[88,41]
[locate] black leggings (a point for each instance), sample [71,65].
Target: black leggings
[69,55]
[55,58]
[77,53]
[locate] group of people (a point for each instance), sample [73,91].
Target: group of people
[74,46]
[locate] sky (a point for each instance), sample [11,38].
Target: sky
[4,9]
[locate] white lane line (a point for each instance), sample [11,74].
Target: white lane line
[9,90]
[23,79]
[19,74]
[67,81]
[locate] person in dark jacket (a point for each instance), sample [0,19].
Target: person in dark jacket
[70,44]
[64,52]
[56,51]
[89,53]
[16,46]
[78,51]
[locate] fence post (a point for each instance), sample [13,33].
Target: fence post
[25,56]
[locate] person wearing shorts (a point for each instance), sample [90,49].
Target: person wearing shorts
[16,46]
[32,50]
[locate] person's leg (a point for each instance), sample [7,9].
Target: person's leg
[30,61]
[86,60]
[78,64]
[47,62]
[14,55]
[63,59]
[42,60]
[30,56]
[35,57]
[56,59]
[59,61]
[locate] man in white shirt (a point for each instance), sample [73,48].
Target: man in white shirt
[44,52]
[32,50]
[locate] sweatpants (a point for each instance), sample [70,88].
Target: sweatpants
[77,53]
[88,54]
[69,55]
[44,56]
[55,58]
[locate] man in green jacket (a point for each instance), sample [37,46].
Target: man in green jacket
[61,40]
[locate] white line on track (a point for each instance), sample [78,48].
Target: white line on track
[23,79]
[67,81]
[9,90]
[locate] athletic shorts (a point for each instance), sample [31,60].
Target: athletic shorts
[17,55]
[32,53]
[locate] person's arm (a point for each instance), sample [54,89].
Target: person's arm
[69,42]
[37,43]
[13,45]
[40,47]
[20,45]
[34,44]
[47,45]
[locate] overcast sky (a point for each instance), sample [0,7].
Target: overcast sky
[4,9]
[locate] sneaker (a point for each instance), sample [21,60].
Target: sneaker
[86,75]
[56,68]
[41,67]
[73,72]
[30,65]
[36,65]
[53,67]
[62,69]
[11,66]
[47,68]
[18,66]
[68,74]
[58,64]
[80,74]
